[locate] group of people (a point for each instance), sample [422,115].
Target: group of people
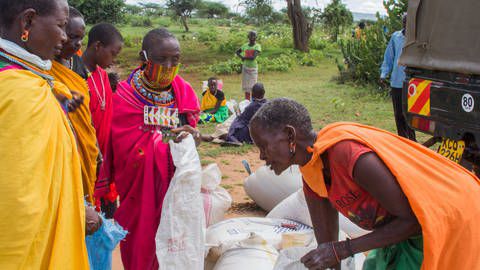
[68,141]
[65,136]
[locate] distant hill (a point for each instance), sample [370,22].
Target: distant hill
[357,16]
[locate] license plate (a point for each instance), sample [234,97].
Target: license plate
[452,150]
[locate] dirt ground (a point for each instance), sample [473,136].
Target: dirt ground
[233,175]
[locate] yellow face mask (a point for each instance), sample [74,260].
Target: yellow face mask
[159,76]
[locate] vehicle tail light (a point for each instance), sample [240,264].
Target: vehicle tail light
[423,124]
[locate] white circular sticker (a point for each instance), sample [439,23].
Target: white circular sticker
[467,102]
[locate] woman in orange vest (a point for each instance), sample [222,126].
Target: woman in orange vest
[421,208]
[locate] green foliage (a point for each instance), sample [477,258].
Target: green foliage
[138,21]
[260,11]
[336,17]
[209,9]
[182,9]
[96,11]
[395,10]
[207,35]
[152,9]
[363,58]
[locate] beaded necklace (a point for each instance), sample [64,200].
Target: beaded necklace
[164,98]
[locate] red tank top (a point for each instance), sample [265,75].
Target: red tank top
[345,194]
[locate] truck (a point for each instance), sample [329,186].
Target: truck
[441,92]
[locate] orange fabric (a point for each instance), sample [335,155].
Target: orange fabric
[81,120]
[443,195]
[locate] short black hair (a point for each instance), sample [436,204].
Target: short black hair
[279,112]
[106,33]
[258,91]
[153,37]
[252,33]
[73,13]
[9,9]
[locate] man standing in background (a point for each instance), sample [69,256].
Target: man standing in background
[397,76]
[248,53]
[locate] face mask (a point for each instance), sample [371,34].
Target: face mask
[159,76]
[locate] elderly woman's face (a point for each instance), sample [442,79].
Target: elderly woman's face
[274,148]
[47,33]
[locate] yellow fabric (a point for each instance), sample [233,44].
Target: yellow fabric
[81,120]
[443,195]
[42,212]
[209,101]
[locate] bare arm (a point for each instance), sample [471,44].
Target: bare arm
[324,219]
[373,175]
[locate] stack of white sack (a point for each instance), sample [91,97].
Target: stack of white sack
[268,189]
[295,208]
[216,200]
[289,258]
[245,240]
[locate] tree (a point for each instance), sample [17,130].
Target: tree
[96,11]
[303,22]
[395,10]
[336,17]
[260,10]
[182,9]
[151,9]
[211,9]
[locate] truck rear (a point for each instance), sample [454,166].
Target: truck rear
[441,92]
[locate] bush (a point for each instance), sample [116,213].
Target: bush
[363,57]
[231,66]
[141,22]
[208,35]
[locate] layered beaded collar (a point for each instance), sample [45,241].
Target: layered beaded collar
[165,98]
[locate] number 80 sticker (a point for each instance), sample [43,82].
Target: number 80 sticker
[468,102]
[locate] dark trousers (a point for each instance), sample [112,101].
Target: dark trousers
[402,127]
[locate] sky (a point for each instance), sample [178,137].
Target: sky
[363,6]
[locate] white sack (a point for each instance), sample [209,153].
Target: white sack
[268,189]
[251,253]
[216,200]
[221,236]
[180,239]
[289,259]
[295,208]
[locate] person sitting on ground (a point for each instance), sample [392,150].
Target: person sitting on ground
[81,117]
[213,106]
[239,131]
[104,44]
[422,208]
[42,211]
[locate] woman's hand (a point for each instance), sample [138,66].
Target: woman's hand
[75,102]
[183,132]
[92,221]
[322,257]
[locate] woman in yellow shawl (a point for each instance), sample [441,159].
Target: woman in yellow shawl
[79,112]
[214,103]
[422,208]
[42,213]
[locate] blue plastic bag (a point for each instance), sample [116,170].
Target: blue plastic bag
[101,244]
